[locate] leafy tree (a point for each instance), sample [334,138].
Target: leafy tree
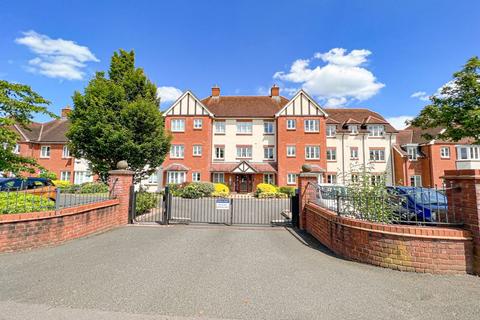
[118,118]
[456,108]
[18,104]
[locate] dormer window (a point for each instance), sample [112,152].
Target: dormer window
[412,152]
[376,130]
[353,128]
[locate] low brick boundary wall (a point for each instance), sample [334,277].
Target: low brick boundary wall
[399,247]
[37,229]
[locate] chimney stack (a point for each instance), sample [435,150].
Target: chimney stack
[275,91]
[215,91]
[66,111]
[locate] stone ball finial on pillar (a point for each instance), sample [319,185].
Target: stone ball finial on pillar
[306,168]
[122,165]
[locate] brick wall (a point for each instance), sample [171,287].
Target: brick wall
[404,248]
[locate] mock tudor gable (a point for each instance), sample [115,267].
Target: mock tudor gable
[187,105]
[301,105]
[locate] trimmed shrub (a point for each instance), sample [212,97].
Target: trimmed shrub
[197,190]
[221,188]
[290,191]
[282,195]
[220,194]
[61,184]
[266,187]
[48,175]
[20,202]
[267,195]
[93,187]
[144,202]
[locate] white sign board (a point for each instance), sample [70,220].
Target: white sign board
[222,204]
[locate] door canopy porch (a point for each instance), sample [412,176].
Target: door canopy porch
[244,167]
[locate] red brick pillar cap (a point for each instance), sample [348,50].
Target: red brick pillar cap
[121,172]
[308,175]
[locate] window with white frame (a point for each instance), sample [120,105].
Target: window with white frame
[412,152]
[65,175]
[269,178]
[244,151]
[331,178]
[377,154]
[16,149]
[416,181]
[269,153]
[197,150]
[331,130]
[291,178]
[311,125]
[445,152]
[153,178]
[197,123]
[219,153]
[177,151]
[312,152]
[468,152]
[218,177]
[196,176]
[375,130]
[82,177]
[353,128]
[176,177]
[331,154]
[178,125]
[65,152]
[45,152]
[244,127]
[291,151]
[268,127]
[219,127]
[353,153]
[291,124]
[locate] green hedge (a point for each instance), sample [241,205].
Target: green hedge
[20,202]
[193,190]
[145,201]
[87,187]
[290,191]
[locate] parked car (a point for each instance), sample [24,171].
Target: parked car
[36,186]
[334,197]
[419,204]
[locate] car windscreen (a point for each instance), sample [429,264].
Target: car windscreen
[429,196]
[328,192]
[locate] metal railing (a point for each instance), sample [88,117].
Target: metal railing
[398,205]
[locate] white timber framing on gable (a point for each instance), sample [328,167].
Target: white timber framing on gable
[187,105]
[302,105]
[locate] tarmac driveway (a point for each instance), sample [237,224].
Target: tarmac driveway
[185,272]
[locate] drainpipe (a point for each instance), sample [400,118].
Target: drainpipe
[392,161]
[364,159]
[343,158]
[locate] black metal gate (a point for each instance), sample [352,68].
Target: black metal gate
[235,210]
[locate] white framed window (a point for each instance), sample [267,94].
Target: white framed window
[177,151]
[291,178]
[269,178]
[65,152]
[269,153]
[375,130]
[331,130]
[445,152]
[219,153]
[268,127]
[312,152]
[197,123]
[196,176]
[353,153]
[219,127]
[45,152]
[218,177]
[291,124]
[412,152]
[80,177]
[244,127]
[312,125]
[16,149]
[65,175]
[416,181]
[176,177]
[244,151]
[353,128]
[178,125]
[331,178]
[197,150]
[468,152]
[332,154]
[291,151]
[153,178]
[377,154]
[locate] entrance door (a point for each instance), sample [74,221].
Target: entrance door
[243,183]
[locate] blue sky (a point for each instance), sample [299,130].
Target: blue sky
[373,54]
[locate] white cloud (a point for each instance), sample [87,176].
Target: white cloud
[56,58]
[342,78]
[335,102]
[399,122]
[168,94]
[421,95]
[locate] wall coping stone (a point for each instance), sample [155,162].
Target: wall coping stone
[121,172]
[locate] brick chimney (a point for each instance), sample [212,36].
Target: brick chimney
[66,111]
[215,91]
[275,91]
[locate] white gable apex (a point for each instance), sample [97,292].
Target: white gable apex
[187,105]
[301,105]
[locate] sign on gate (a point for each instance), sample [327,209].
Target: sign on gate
[222,204]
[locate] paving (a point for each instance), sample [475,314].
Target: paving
[218,272]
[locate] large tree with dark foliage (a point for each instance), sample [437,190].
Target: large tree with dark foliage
[118,118]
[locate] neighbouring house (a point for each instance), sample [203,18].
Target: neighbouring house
[421,162]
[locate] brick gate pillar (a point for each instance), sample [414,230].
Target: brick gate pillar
[120,182]
[463,194]
[306,193]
